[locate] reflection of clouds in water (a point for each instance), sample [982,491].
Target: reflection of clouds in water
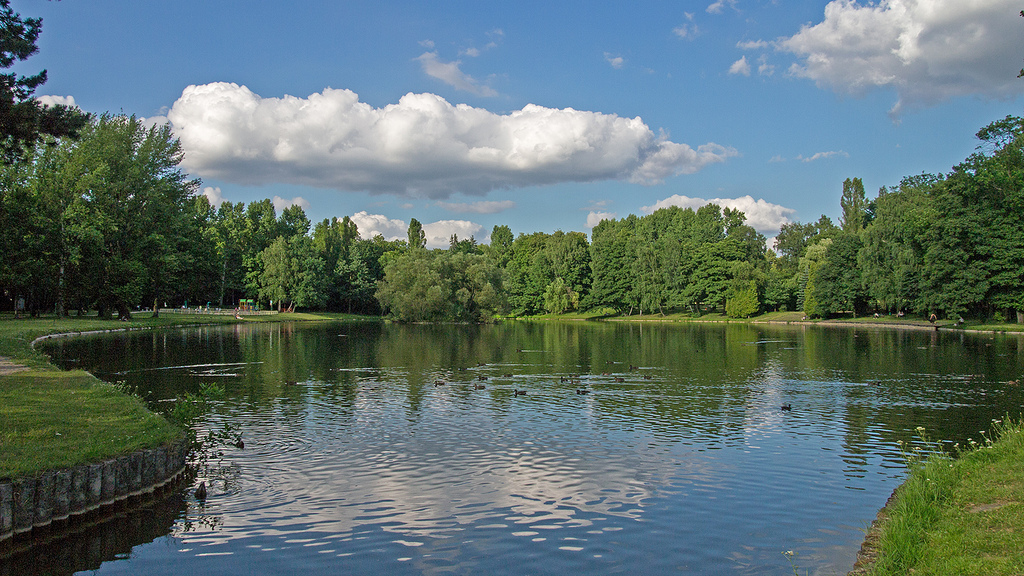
[468,458]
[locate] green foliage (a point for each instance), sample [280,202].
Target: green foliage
[854,206]
[435,286]
[293,272]
[743,303]
[110,222]
[836,280]
[560,298]
[892,257]
[931,528]
[501,245]
[24,121]
[417,237]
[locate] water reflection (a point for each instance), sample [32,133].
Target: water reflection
[371,447]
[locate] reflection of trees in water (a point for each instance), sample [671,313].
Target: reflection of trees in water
[86,545]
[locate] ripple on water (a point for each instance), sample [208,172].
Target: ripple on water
[372,468]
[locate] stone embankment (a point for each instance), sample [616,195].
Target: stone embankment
[55,496]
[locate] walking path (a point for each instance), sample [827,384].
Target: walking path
[7,367]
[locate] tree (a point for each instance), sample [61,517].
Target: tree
[262,230]
[293,221]
[23,120]
[293,273]
[742,302]
[417,237]
[854,205]
[836,282]
[422,285]
[892,257]
[501,245]
[233,233]
[742,299]
[806,296]
[136,199]
[276,279]
[610,257]
[559,298]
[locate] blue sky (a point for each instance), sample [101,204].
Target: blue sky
[543,115]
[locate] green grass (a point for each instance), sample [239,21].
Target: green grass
[962,516]
[683,316]
[53,419]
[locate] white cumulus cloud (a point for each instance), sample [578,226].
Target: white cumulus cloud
[439,233]
[927,50]
[282,203]
[740,66]
[50,100]
[214,196]
[594,218]
[420,147]
[370,225]
[762,215]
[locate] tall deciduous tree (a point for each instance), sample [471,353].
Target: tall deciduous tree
[854,205]
[417,237]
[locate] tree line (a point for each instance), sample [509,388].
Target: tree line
[108,221]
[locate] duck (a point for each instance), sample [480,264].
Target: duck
[439,382]
[786,407]
[481,377]
[201,491]
[239,444]
[509,375]
[583,391]
[620,380]
[648,377]
[519,392]
[478,387]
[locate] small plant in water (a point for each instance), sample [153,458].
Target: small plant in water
[790,555]
[190,408]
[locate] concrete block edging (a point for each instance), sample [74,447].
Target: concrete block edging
[37,501]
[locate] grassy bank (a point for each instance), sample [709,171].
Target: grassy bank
[54,419]
[784,317]
[962,516]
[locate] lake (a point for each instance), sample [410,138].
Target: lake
[405,449]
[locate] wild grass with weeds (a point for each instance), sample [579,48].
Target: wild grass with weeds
[959,513]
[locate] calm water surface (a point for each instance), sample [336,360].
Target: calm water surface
[677,460]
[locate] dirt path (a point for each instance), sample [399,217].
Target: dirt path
[8,367]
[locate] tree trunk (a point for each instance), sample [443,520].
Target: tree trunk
[156,308]
[123,312]
[223,280]
[1020,316]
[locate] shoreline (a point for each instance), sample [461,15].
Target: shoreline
[52,494]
